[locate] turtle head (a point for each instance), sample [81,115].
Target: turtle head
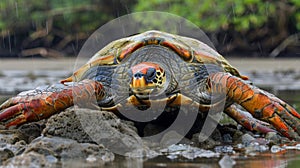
[147,77]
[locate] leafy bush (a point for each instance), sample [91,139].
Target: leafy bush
[257,26]
[212,15]
[52,23]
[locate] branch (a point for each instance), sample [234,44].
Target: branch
[44,52]
[292,39]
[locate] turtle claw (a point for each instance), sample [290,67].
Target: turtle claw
[39,104]
[267,107]
[261,104]
[8,103]
[283,117]
[16,115]
[19,110]
[246,120]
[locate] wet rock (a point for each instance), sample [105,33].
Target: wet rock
[288,147]
[172,137]
[227,162]
[31,131]
[228,132]
[142,153]
[63,148]
[26,132]
[187,151]
[66,124]
[254,147]
[16,148]
[224,149]
[5,154]
[31,159]
[10,136]
[237,136]
[273,137]
[93,126]
[246,139]
[276,149]
[12,140]
[205,142]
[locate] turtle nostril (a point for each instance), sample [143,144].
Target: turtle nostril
[138,75]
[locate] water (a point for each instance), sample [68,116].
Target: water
[290,159]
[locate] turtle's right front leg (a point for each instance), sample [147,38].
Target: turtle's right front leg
[39,104]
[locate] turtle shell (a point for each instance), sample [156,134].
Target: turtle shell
[190,50]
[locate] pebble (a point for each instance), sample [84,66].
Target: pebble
[224,149]
[254,147]
[247,139]
[188,152]
[51,159]
[5,154]
[276,149]
[91,158]
[227,162]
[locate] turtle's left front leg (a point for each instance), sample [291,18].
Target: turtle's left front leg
[261,104]
[39,104]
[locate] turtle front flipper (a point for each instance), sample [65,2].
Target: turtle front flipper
[261,104]
[41,103]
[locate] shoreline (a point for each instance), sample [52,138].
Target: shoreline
[242,64]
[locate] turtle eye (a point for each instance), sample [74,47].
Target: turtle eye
[151,74]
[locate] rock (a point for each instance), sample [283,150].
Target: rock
[172,137]
[236,138]
[66,124]
[273,137]
[209,142]
[26,132]
[142,153]
[31,131]
[227,162]
[12,140]
[276,149]
[5,154]
[247,139]
[31,159]
[57,147]
[228,132]
[10,136]
[224,149]
[187,151]
[254,147]
[93,126]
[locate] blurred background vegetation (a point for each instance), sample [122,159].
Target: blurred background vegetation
[58,28]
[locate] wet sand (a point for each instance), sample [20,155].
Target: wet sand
[243,64]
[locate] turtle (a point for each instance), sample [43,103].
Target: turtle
[151,68]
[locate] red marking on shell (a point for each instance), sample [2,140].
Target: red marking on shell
[185,54]
[144,66]
[130,50]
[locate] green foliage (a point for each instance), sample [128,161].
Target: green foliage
[58,23]
[213,15]
[67,15]
[296,15]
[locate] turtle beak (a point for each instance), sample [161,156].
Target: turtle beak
[139,84]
